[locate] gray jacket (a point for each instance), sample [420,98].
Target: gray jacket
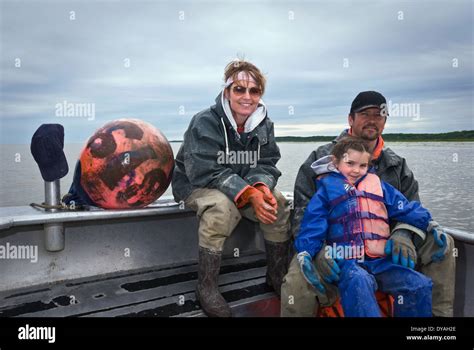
[390,167]
[210,139]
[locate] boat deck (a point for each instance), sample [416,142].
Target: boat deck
[160,292]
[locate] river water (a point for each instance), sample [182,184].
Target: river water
[444,171]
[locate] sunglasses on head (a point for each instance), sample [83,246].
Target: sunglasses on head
[241,90]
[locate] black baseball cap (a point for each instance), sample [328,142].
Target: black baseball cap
[47,149]
[368,99]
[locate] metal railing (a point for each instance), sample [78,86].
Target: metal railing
[53,220]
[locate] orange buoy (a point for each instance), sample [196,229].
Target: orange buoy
[127,163]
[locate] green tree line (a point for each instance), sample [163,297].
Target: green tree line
[465,135]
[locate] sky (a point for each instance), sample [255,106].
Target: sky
[163,61]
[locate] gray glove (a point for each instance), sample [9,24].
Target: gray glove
[400,246]
[440,239]
[327,267]
[310,274]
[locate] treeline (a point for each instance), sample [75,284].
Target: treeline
[465,135]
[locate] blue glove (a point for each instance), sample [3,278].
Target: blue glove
[309,272]
[327,267]
[400,246]
[441,240]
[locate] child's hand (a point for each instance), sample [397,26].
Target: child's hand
[309,272]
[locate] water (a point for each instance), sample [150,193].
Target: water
[444,171]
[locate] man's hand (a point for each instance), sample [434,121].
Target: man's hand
[264,212]
[309,272]
[268,195]
[327,267]
[400,246]
[440,239]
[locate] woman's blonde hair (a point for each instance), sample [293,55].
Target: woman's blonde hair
[237,66]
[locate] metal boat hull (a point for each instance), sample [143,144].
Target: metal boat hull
[143,263]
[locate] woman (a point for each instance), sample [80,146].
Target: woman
[226,170]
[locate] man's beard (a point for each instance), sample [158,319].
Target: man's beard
[368,135]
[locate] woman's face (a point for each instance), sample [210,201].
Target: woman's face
[243,96]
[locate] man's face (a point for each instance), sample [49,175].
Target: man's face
[368,124]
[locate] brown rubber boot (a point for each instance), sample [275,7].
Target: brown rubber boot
[207,293]
[277,263]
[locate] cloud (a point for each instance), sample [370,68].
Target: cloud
[309,129]
[154,60]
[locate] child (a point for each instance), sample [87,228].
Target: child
[350,213]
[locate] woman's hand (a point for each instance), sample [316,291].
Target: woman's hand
[268,195]
[264,212]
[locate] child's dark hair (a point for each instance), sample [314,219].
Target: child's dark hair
[347,143]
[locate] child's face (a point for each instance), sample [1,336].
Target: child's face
[353,165]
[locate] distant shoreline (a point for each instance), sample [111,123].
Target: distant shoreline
[455,136]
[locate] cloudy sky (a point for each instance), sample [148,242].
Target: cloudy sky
[163,61]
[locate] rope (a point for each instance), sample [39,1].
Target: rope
[61,206]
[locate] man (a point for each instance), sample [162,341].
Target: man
[211,180]
[409,245]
